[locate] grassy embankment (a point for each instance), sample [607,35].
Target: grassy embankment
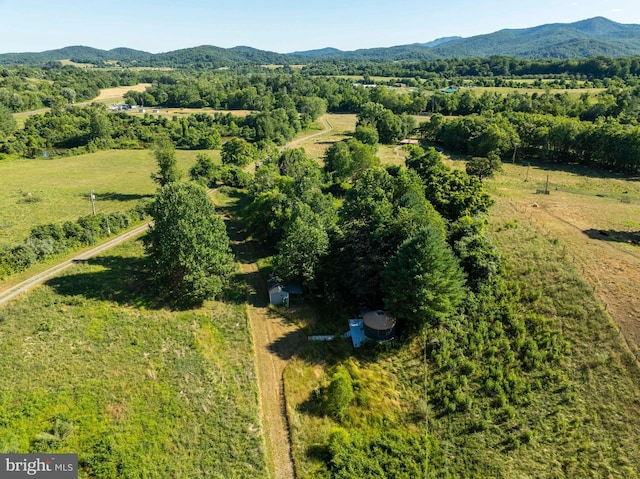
[91,365]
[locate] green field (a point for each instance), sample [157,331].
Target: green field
[91,365]
[576,93]
[56,190]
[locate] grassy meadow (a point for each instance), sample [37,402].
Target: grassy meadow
[573,92]
[55,190]
[91,365]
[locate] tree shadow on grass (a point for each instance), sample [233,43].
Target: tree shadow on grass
[111,196]
[631,237]
[125,281]
[246,249]
[574,168]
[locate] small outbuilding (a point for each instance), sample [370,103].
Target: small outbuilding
[280,293]
[379,325]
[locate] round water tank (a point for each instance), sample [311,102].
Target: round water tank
[378,325]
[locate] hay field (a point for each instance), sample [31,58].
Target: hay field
[595,217]
[56,190]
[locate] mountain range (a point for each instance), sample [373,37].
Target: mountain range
[587,38]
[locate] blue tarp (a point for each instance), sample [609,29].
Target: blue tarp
[356,327]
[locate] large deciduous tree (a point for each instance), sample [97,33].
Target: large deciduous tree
[484,167]
[304,244]
[238,152]
[168,171]
[187,244]
[423,282]
[7,123]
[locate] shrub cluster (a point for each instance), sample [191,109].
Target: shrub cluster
[48,240]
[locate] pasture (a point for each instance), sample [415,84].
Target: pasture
[573,92]
[594,216]
[116,94]
[183,112]
[56,190]
[92,365]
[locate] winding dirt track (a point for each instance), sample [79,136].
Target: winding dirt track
[275,342]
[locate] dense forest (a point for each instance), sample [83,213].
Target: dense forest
[578,125]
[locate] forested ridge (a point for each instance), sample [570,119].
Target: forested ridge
[587,38]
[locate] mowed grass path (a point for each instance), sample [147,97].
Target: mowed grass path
[40,191]
[91,366]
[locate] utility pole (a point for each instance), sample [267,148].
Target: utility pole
[546,187]
[515,147]
[93,203]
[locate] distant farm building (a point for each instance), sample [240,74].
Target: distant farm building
[408,141]
[120,107]
[451,89]
[280,293]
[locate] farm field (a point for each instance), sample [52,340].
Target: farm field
[107,95]
[171,112]
[91,365]
[577,92]
[342,127]
[56,190]
[595,219]
[116,94]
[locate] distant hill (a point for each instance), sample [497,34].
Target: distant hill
[216,57]
[583,39]
[439,41]
[587,38]
[79,54]
[329,51]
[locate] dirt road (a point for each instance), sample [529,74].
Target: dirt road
[26,285]
[275,341]
[327,128]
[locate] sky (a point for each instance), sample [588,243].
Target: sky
[281,26]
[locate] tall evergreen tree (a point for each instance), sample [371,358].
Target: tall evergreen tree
[423,282]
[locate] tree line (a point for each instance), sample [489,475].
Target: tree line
[605,144]
[598,67]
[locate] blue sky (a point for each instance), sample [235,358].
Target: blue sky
[281,26]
